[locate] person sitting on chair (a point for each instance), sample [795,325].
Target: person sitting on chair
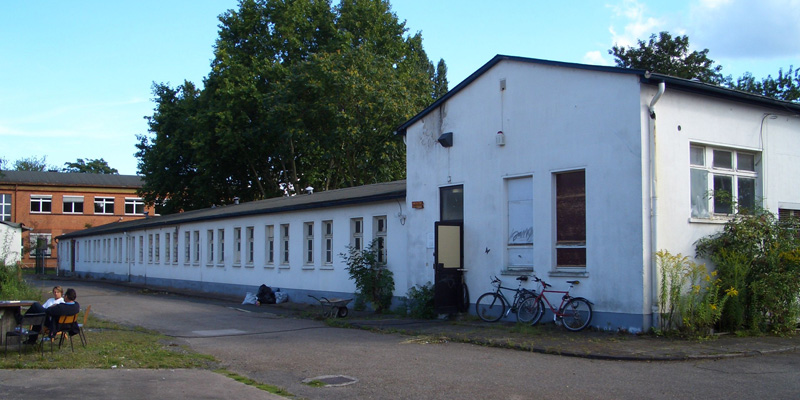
[57,298]
[68,307]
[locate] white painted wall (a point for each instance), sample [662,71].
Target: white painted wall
[10,244]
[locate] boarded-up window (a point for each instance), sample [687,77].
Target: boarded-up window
[519,192]
[571,219]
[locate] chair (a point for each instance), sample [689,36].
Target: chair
[34,321]
[81,325]
[63,327]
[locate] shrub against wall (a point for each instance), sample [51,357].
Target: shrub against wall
[374,281]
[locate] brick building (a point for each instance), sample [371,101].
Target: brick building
[53,203]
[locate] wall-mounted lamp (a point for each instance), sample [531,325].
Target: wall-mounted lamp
[500,139]
[446,139]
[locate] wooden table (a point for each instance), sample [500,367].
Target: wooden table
[10,307]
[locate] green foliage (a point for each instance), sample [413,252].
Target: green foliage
[758,256]
[419,301]
[12,286]
[374,281]
[99,166]
[34,164]
[670,56]
[691,299]
[300,94]
[786,86]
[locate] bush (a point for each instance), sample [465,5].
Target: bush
[374,281]
[13,287]
[419,301]
[759,257]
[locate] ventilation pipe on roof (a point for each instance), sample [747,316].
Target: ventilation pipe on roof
[654,205]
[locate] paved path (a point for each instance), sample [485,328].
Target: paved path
[271,348]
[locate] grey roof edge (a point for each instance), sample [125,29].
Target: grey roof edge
[645,77]
[332,198]
[47,178]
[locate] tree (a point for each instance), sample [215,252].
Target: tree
[98,166]
[669,56]
[299,94]
[785,87]
[33,164]
[440,82]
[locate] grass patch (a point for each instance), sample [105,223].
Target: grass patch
[247,381]
[109,346]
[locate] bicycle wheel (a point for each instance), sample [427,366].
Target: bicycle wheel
[490,307]
[530,311]
[576,314]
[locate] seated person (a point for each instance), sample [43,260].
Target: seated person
[68,307]
[56,299]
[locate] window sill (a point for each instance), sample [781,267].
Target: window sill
[237,265]
[571,273]
[249,266]
[284,266]
[209,265]
[308,268]
[712,220]
[326,268]
[221,265]
[517,270]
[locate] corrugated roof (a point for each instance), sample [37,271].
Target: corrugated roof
[70,179]
[329,198]
[644,76]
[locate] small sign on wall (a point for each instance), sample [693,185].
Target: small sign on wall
[418,205]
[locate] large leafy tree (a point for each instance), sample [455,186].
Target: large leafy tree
[670,56]
[786,86]
[89,166]
[34,163]
[300,94]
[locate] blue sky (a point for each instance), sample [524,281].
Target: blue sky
[76,76]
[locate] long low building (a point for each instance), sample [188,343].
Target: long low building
[528,166]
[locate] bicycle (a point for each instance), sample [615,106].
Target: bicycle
[492,306]
[575,313]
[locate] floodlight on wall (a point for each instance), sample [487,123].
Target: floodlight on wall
[446,139]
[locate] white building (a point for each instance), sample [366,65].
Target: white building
[564,170]
[10,242]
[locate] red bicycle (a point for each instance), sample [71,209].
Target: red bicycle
[575,313]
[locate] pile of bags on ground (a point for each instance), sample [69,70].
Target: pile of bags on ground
[266,295]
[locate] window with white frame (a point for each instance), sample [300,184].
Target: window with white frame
[149,248]
[723,181]
[167,248]
[571,219]
[308,230]
[40,244]
[196,242]
[787,214]
[379,237]
[104,205]
[210,246]
[41,204]
[134,206]
[5,207]
[175,247]
[327,242]
[519,221]
[72,204]
[357,233]
[270,245]
[157,248]
[221,246]
[187,247]
[250,232]
[141,249]
[285,244]
[237,246]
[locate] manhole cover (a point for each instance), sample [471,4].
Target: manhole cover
[331,380]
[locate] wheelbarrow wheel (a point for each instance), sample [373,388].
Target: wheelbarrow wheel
[342,312]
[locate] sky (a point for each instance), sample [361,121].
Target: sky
[76,76]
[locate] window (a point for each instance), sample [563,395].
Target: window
[786,214]
[150,248]
[379,237]
[451,203]
[167,248]
[157,248]
[237,246]
[571,219]
[519,221]
[187,247]
[141,249]
[270,234]
[210,246]
[308,228]
[285,244]
[221,245]
[5,207]
[134,206]
[41,203]
[175,247]
[356,233]
[40,244]
[725,185]
[250,245]
[327,242]
[196,257]
[104,205]
[72,204]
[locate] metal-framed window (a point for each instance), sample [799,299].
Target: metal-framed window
[285,244]
[327,242]
[270,244]
[134,206]
[221,244]
[250,232]
[104,205]
[357,233]
[72,204]
[41,204]
[379,236]
[237,246]
[40,244]
[723,181]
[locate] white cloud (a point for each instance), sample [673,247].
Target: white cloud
[596,58]
[637,25]
[742,29]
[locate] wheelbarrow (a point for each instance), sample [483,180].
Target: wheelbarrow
[332,308]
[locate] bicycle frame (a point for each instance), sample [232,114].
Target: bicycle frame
[498,304]
[517,295]
[564,299]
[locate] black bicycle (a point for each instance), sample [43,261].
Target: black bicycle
[492,306]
